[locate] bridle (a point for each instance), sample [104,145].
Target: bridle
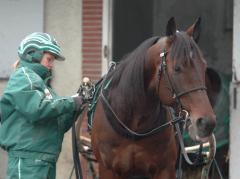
[163,69]
[179,127]
[121,128]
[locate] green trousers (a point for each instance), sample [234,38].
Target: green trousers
[26,168]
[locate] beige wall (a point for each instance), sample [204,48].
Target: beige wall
[2,86]
[63,20]
[3,155]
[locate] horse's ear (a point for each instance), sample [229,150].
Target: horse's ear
[195,29]
[171,27]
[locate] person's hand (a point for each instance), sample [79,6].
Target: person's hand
[78,102]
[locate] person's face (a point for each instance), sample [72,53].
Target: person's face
[47,60]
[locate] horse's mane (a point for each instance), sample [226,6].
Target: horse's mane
[128,77]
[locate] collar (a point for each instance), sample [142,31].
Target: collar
[41,70]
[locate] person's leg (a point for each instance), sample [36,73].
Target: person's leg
[13,168]
[22,168]
[52,171]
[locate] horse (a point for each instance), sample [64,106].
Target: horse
[133,133]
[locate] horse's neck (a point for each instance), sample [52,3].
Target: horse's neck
[149,111]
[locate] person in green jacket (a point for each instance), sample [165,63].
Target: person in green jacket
[33,117]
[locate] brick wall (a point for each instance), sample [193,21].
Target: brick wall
[92,38]
[91,53]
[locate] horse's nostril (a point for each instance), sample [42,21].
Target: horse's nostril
[205,126]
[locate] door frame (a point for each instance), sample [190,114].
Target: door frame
[107,31]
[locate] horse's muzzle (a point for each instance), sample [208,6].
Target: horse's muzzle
[205,126]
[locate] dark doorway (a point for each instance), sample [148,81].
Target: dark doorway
[132,24]
[136,20]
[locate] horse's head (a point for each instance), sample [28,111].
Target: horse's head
[179,77]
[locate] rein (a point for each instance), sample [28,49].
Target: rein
[126,131]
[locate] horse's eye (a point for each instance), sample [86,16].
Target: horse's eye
[177,68]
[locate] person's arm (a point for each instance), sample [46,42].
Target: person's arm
[35,107]
[27,96]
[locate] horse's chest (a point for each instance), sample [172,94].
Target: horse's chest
[133,157]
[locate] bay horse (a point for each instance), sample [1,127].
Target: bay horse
[161,75]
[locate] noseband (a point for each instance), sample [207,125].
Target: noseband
[163,68]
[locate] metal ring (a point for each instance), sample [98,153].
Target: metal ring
[186,113]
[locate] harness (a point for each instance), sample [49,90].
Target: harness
[178,121]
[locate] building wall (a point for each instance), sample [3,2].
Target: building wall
[63,20]
[15,27]
[92,38]
[3,164]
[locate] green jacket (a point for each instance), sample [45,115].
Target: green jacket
[34,118]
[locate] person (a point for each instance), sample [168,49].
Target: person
[34,117]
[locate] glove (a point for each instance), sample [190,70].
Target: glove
[78,102]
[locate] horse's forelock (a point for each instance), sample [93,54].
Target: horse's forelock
[182,48]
